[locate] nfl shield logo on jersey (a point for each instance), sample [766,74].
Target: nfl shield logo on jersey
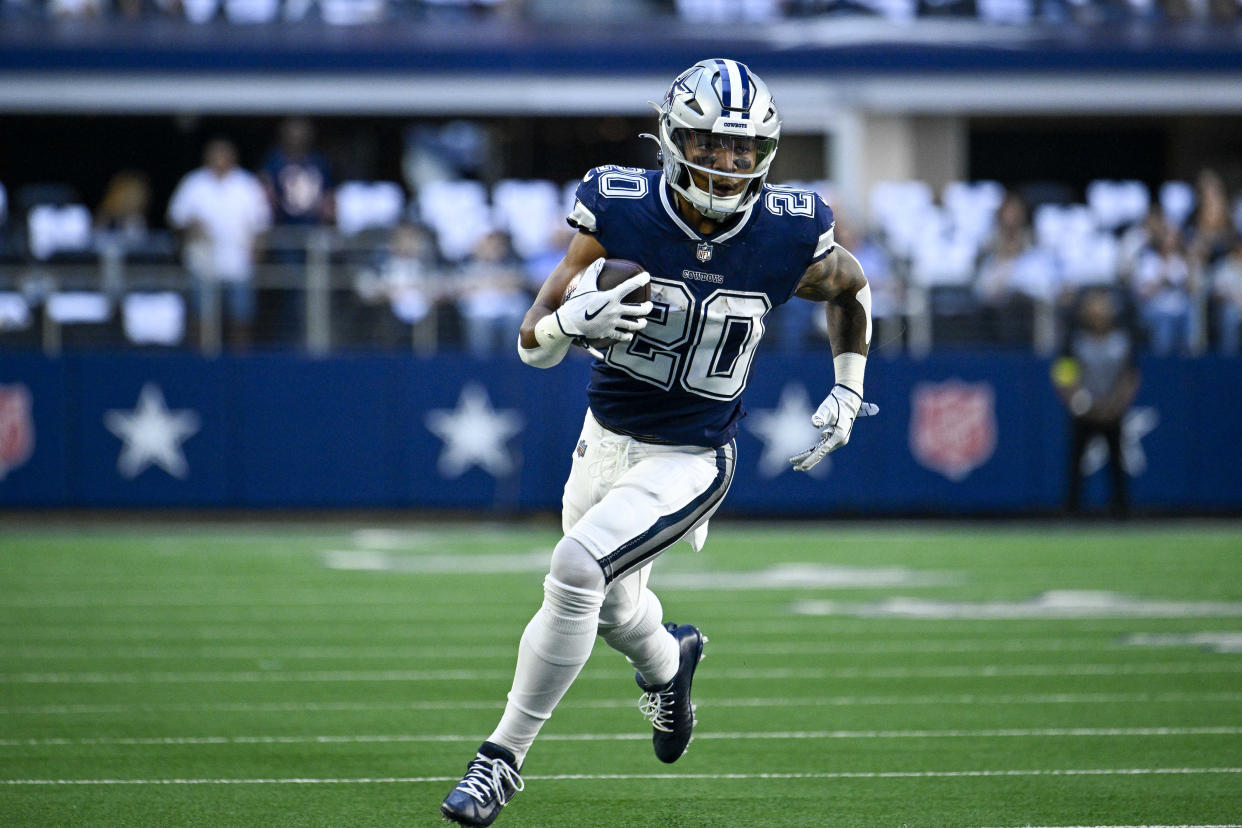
[704,252]
[953,426]
[16,427]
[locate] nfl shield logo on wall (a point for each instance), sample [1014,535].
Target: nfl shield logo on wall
[16,427]
[953,426]
[704,252]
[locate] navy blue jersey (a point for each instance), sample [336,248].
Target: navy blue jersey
[681,378]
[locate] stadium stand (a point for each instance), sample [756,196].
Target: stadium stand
[964,271]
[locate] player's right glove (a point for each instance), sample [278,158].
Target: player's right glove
[835,415]
[592,313]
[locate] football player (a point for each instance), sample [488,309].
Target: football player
[720,249]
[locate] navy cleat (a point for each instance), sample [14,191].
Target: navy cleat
[491,780]
[668,706]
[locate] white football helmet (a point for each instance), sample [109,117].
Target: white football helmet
[718,133]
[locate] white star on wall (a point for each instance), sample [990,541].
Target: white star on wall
[785,431]
[152,435]
[474,434]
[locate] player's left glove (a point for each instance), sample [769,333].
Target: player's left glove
[835,416]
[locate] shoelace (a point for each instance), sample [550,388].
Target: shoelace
[487,778]
[657,706]
[614,458]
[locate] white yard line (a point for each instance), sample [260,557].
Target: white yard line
[591,777]
[777,626]
[464,651]
[956,671]
[610,704]
[795,735]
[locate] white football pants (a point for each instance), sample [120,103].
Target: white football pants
[625,502]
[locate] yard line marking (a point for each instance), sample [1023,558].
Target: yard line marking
[457,652]
[608,704]
[958,671]
[676,777]
[794,735]
[1230,825]
[363,628]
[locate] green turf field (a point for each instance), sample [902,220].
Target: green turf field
[864,676]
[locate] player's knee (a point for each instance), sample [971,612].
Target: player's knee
[574,566]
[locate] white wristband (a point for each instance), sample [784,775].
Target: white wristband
[849,369]
[548,331]
[552,347]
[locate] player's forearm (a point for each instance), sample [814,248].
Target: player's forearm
[546,350]
[849,323]
[848,302]
[526,334]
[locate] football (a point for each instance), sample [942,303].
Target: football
[613,273]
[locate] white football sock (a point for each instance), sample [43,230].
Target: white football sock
[554,646]
[643,640]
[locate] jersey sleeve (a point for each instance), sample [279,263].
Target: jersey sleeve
[825,228]
[589,204]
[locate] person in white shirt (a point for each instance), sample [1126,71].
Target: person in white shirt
[223,212]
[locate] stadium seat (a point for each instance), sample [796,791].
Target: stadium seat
[52,229]
[200,11]
[458,212]
[368,205]
[529,211]
[73,307]
[898,208]
[1116,204]
[352,12]
[1008,12]
[1177,200]
[154,318]
[972,207]
[14,311]
[1088,260]
[251,11]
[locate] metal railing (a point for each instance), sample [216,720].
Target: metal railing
[313,269]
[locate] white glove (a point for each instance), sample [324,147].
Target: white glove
[592,313]
[835,416]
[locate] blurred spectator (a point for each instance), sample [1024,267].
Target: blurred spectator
[1227,293]
[121,216]
[299,187]
[1162,291]
[1211,232]
[1137,238]
[297,178]
[493,299]
[1096,378]
[1014,277]
[223,212]
[408,278]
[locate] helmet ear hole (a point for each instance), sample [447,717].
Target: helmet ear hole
[693,104]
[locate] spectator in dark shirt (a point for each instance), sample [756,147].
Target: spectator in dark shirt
[299,187]
[1097,379]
